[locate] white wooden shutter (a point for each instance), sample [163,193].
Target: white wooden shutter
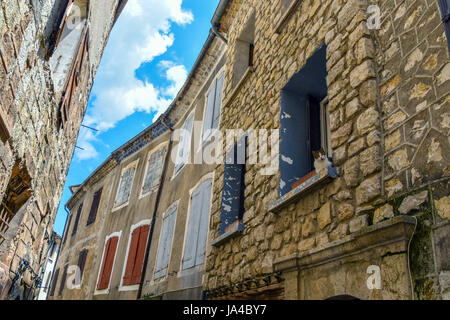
[165,243]
[207,125]
[159,167]
[121,190]
[204,222]
[192,233]
[149,177]
[218,102]
[128,185]
[184,146]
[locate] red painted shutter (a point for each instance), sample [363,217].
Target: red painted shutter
[127,279]
[137,270]
[107,265]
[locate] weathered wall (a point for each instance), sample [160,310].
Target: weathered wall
[141,208]
[33,138]
[178,189]
[365,68]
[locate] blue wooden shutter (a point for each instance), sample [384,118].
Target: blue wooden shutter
[234,185]
[204,222]
[445,8]
[192,234]
[165,243]
[209,112]
[218,101]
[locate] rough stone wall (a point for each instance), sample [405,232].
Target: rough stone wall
[30,111]
[414,72]
[360,80]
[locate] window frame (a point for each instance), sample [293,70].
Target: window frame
[72,78]
[63,281]
[117,235]
[93,217]
[134,164]
[206,138]
[172,207]
[224,229]
[147,166]
[77,219]
[180,166]
[132,287]
[84,252]
[250,46]
[204,179]
[54,283]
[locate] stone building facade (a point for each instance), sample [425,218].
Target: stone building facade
[49,54]
[382,209]
[368,83]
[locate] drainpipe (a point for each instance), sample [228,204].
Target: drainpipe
[215,30]
[155,209]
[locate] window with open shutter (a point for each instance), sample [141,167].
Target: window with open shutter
[304,120]
[165,243]
[94,207]
[54,282]
[154,171]
[136,253]
[445,9]
[82,261]
[184,146]
[77,219]
[63,281]
[234,186]
[107,263]
[195,246]
[213,106]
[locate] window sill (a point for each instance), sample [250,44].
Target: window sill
[285,17]
[234,231]
[239,85]
[149,192]
[303,189]
[120,206]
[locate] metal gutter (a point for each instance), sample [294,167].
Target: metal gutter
[215,21]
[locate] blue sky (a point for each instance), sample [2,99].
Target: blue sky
[151,49]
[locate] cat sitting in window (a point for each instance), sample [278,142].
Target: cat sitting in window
[321,162]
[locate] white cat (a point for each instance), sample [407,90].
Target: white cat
[321,162]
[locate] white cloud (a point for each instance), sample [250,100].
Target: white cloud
[141,34]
